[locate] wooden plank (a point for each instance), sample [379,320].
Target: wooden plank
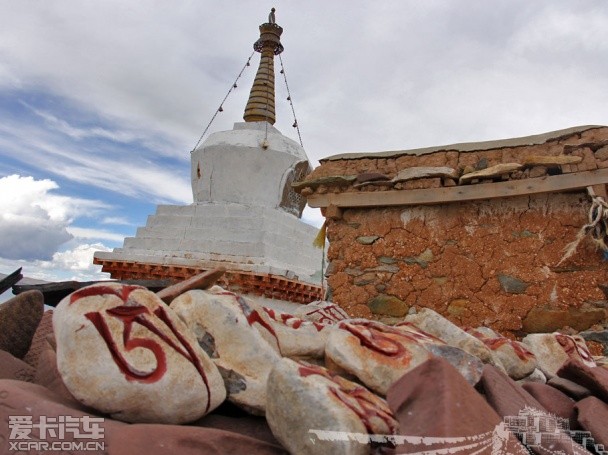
[9,280]
[201,281]
[546,184]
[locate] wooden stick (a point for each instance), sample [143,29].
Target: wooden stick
[201,281]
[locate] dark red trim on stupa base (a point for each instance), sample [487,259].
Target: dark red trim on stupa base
[262,284]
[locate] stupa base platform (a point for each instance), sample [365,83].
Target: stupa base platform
[265,285]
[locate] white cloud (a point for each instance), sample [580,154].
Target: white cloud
[74,264]
[112,169]
[78,260]
[376,76]
[34,221]
[119,220]
[97,234]
[81,133]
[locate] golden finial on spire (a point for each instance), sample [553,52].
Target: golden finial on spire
[260,106]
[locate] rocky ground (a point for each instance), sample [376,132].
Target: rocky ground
[209,371]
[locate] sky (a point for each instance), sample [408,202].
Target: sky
[101,102]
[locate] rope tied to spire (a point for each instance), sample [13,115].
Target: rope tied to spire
[296,125]
[221,108]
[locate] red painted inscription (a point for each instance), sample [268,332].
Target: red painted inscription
[367,406]
[494,343]
[328,314]
[416,334]
[571,347]
[139,314]
[376,337]
[122,292]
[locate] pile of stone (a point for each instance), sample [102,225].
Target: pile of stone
[577,149]
[209,371]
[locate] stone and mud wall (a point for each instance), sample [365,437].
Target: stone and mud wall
[491,262]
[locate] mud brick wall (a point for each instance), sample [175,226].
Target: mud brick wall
[478,263]
[492,262]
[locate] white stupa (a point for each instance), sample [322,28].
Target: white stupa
[245,215]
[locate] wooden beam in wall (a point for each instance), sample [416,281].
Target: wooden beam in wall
[473,192]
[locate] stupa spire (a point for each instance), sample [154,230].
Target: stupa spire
[260,106]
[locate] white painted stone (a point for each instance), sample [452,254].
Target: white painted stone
[469,366]
[435,324]
[296,337]
[553,349]
[536,376]
[418,335]
[321,311]
[305,399]
[226,326]
[514,356]
[601,361]
[377,354]
[122,351]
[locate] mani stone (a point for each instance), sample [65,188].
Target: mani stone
[223,325]
[517,360]
[418,335]
[536,376]
[602,362]
[296,337]
[469,366]
[552,350]
[313,411]
[435,324]
[122,351]
[322,312]
[377,354]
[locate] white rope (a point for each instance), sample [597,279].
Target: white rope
[221,108]
[597,227]
[296,125]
